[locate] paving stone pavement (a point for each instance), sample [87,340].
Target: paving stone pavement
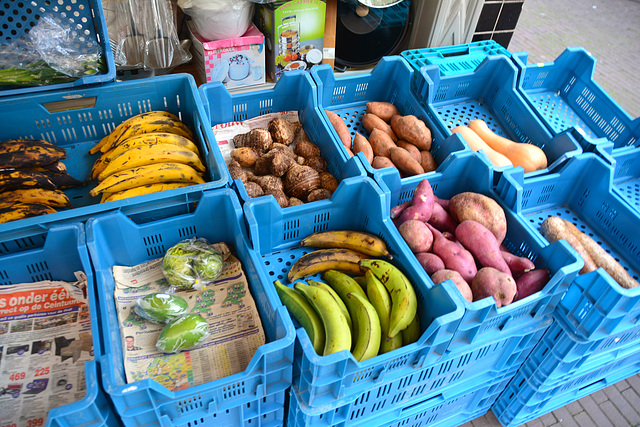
[610,30]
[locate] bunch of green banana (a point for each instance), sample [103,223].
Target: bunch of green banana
[363,304]
[146,153]
[32,177]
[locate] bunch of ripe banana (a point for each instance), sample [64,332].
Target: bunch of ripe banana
[32,177]
[146,153]
[364,304]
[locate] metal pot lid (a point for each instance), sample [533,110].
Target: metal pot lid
[379,3]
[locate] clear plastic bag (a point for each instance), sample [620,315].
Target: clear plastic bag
[192,264]
[183,333]
[219,19]
[161,307]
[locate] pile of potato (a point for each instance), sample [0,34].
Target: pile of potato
[394,140]
[461,239]
[283,162]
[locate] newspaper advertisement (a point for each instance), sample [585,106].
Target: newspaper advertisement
[235,328]
[224,132]
[45,340]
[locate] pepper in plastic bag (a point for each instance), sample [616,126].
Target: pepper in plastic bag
[192,264]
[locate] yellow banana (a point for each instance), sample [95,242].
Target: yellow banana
[336,330]
[403,296]
[381,301]
[367,343]
[17,211]
[344,284]
[53,198]
[336,297]
[411,333]
[12,179]
[358,241]
[26,153]
[304,313]
[149,174]
[152,154]
[142,190]
[325,259]
[152,124]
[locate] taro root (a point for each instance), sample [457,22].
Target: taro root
[241,139]
[273,163]
[301,136]
[306,149]
[237,171]
[328,181]
[269,183]
[294,201]
[283,131]
[276,146]
[300,180]
[259,139]
[318,194]
[281,198]
[253,189]
[246,156]
[316,162]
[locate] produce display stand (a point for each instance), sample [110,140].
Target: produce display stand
[57,254]
[256,395]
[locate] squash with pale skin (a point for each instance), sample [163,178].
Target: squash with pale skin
[476,144]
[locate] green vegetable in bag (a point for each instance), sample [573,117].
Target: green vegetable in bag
[192,264]
[183,333]
[161,308]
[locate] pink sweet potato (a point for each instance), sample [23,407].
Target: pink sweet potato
[441,219]
[481,242]
[417,235]
[480,208]
[462,285]
[430,262]
[422,203]
[454,256]
[396,211]
[531,282]
[517,264]
[489,282]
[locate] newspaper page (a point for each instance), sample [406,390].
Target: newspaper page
[235,328]
[224,132]
[45,340]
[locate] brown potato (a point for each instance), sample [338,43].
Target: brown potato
[246,156]
[480,208]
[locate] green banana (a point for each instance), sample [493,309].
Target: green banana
[304,313]
[369,331]
[336,297]
[381,301]
[336,329]
[411,333]
[403,296]
[343,284]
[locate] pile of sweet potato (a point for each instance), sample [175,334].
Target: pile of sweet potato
[461,239]
[393,140]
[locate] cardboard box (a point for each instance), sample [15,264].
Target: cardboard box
[294,34]
[237,62]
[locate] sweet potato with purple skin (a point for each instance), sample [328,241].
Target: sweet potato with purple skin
[441,219]
[531,282]
[517,264]
[430,262]
[454,256]
[462,285]
[417,235]
[396,211]
[481,242]
[480,208]
[489,282]
[421,203]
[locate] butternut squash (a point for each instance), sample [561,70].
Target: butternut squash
[528,156]
[476,144]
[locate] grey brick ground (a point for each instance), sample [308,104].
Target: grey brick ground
[610,30]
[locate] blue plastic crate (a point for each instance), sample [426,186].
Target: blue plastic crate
[77,119]
[564,94]
[356,205]
[294,91]
[467,171]
[59,253]
[384,401]
[522,402]
[489,93]
[257,393]
[85,19]
[581,192]
[455,59]
[390,81]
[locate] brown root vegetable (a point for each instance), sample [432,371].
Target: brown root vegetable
[417,235]
[246,156]
[259,139]
[381,143]
[371,122]
[412,149]
[340,127]
[328,181]
[301,180]
[405,161]
[384,110]
[361,145]
[283,131]
[237,171]
[253,189]
[481,242]
[602,258]
[554,229]
[285,149]
[462,285]
[380,162]
[294,201]
[269,183]
[427,161]
[281,198]
[316,162]
[275,163]
[306,149]
[454,256]
[421,203]
[318,194]
[413,130]
[480,208]
[489,282]
[430,262]
[517,264]
[441,219]
[531,282]
[301,135]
